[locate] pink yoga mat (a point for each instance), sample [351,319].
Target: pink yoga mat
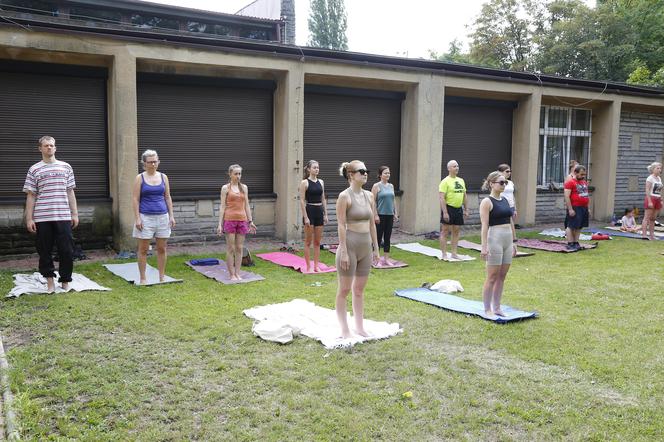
[219,273]
[394,265]
[286,259]
[550,245]
[478,247]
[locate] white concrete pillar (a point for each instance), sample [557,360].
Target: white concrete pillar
[123,145]
[604,158]
[421,155]
[288,151]
[525,153]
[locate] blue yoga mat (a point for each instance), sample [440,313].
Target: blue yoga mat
[461,305]
[619,233]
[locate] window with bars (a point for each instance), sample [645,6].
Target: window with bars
[565,135]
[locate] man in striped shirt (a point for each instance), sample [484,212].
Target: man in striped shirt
[50,211]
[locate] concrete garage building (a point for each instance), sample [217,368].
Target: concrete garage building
[109,79]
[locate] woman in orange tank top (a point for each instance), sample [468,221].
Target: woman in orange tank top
[235,219]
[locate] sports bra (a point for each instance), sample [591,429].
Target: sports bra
[358,211]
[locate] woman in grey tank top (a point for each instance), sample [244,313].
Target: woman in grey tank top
[358,245]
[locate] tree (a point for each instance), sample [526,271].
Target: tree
[454,54]
[503,33]
[327,25]
[644,76]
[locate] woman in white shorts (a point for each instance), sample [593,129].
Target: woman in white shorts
[498,241]
[153,211]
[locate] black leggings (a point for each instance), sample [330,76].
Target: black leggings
[384,230]
[48,234]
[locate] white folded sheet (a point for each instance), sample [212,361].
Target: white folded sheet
[36,283]
[416,247]
[281,322]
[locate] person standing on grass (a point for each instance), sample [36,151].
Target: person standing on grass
[51,212]
[387,214]
[358,244]
[498,241]
[235,219]
[453,207]
[153,212]
[577,199]
[508,193]
[653,200]
[314,211]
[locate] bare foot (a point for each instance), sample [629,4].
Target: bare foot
[361,332]
[65,286]
[454,256]
[499,312]
[489,314]
[239,277]
[346,334]
[316,269]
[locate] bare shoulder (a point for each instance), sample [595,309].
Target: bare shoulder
[486,202]
[245,189]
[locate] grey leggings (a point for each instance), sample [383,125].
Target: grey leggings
[358,246]
[500,245]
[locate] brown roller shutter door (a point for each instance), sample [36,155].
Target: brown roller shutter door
[341,128]
[478,136]
[200,129]
[69,108]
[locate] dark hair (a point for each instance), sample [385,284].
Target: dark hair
[382,169]
[307,168]
[579,168]
[572,165]
[629,210]
[503,167]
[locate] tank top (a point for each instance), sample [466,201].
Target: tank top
[235,206]
[314,192]
[152,198]
[501,213]
[509,193]
[656,190]
[385,199]
[360,208]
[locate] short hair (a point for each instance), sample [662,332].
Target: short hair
[628,210]
[572,165]
[46,138]
[652,166]
[579,168]
[149,153]
[449,163]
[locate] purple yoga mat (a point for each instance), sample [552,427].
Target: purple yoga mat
[394,265]
[550,245]
[219,273]
[478,247]
[286,259]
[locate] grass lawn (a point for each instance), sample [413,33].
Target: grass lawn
[179,361]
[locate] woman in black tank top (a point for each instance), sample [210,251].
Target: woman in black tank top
[314,212]
[498,242]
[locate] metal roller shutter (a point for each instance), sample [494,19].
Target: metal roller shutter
[69,108]
[478,135]
[362,127]
[200,126]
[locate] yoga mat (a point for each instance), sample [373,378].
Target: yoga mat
[550,245]
[36,283]
[560,233]
[129,272]
[381,265]
[416,247]
[219,272]
[462,305]
[282,322]
[478,248]
[615,231]
[286,259]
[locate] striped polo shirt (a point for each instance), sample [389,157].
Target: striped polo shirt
[50,182]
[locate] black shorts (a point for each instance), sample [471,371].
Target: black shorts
[315,215]
[579,220]
[455,214]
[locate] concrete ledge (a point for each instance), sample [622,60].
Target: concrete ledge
[10,424]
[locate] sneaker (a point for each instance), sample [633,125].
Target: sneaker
[571,247]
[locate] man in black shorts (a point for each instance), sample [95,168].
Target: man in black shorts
[453,207]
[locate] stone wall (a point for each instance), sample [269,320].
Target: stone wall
[95,230]
[550,207]
[640,142]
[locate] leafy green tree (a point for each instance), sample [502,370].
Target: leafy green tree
[644,76]
[327,24]
[454,54]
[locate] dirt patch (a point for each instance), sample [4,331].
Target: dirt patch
[16,338]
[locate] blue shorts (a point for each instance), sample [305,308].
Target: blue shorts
[579,220]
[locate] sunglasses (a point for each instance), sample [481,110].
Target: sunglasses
[361,171]
[502,183]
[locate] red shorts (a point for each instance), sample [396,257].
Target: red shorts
[239,227]
[656,203]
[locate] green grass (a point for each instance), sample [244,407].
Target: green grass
[179,361]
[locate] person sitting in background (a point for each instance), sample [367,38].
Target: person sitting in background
[627,222]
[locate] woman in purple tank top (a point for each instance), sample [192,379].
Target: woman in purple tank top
[153,213]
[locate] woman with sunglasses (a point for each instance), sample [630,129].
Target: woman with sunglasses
[508,193]
[358,244]
[498,242]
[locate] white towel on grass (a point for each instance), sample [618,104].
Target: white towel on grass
[281,322]
[416,247]
[36,283]
[560,233]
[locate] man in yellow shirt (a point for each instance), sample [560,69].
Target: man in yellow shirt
[453,206]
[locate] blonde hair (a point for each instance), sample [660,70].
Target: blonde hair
[307,168]
[343,169]
[230,180]
[652,166]
[493,176]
